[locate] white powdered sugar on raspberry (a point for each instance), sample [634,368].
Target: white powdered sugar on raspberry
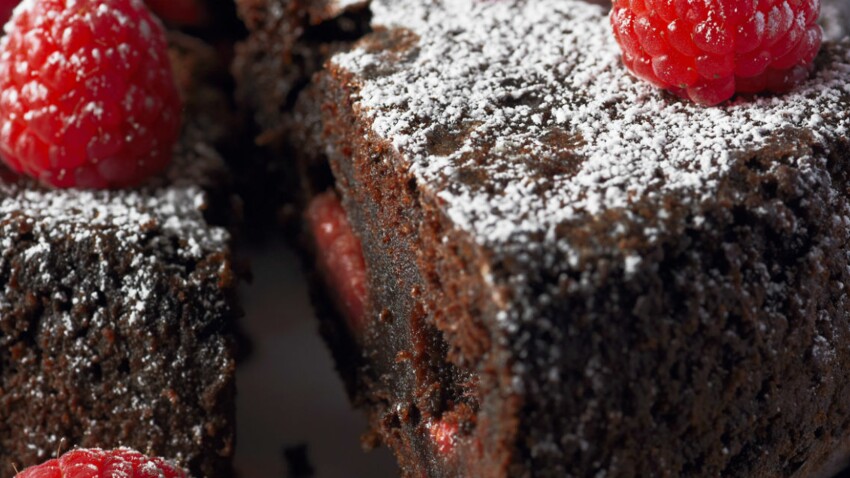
[539,85]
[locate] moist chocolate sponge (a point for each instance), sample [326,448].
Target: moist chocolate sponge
[572,273]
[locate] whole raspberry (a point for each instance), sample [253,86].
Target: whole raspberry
[87,96]
[708,50]
[95,463]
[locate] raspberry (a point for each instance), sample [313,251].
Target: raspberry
[444,435]
[95,463]
[340,257]
[708,50]
[189,13]
[87,96]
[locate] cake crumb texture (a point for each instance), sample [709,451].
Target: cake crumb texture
[118,308]
[664,277]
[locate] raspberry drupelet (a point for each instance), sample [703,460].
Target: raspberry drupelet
[709,50]
[87,94]
[96,463]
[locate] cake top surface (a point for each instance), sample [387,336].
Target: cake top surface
[160,228]
[174,204]
[154,232]
[520,117]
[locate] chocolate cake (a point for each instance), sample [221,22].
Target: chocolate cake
[118,312]
[568,272]
[288,42]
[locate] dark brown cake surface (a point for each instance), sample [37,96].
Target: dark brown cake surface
[288,42]
[118,308]
[573,274]
[520,131]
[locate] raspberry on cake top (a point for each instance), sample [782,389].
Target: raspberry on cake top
[568,133]
[88,94]
[652,281]
[708,51]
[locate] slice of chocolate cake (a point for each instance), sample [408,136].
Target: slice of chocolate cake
[118,309]
[566,272]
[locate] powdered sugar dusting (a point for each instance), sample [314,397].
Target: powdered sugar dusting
[130,245]
[835,16]
[174,207]
[539,85]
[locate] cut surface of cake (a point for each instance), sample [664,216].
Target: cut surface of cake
[568,272]
[287,42]
[118,309]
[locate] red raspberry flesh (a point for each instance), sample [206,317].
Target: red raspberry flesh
[95,463]
[340,257]
[444,435]
[87,95]
[189,13]
[708,50]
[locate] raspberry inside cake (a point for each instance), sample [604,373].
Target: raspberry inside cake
[118,312]
[567,272]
